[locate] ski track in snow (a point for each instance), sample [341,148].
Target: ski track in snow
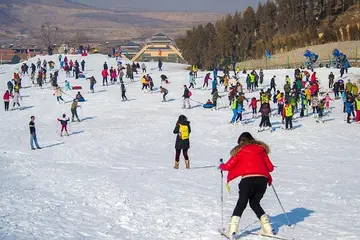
[113,177]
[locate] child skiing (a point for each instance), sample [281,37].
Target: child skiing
[67,85]
[327,100]
[64,121]
[16,100]
[253,105]
[249,160]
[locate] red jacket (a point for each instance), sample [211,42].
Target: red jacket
[6,96]
[253,103]
[252,159]
[313,78]
[104,73]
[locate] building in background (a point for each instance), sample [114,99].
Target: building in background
[159,47]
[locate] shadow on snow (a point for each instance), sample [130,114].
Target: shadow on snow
[53,145]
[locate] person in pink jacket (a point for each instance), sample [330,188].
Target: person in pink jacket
[113,76]
[327,99]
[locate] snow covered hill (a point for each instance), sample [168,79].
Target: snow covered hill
[113,177]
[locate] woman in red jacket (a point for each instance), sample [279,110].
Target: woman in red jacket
[250,161]
[6,98]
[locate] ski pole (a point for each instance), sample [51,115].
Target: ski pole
[195,101]
[287,219]
[222,197]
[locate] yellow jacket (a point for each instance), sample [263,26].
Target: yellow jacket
[307,94]
[143,80]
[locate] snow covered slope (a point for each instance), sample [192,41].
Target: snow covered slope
[113,178]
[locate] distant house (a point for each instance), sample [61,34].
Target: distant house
[159,47]
[14,56]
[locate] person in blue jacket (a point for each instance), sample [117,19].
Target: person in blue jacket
[10,86]
[215,72]
[349,108]
[213,85]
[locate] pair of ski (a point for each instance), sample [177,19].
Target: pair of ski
[247,233]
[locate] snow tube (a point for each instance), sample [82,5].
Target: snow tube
[81,100]
[208,105]
[82,76]
[84,54]
[76,87]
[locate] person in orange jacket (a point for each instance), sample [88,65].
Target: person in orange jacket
[249,160]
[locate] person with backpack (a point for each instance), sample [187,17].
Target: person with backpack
[64,122]
[250,161]
[187,94]
[6,98]
[165,92]
[182,130]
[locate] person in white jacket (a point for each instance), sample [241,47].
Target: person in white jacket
[16,100]
[143,67]
[58,93]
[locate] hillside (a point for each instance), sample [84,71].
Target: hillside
[21,21]
[295,58]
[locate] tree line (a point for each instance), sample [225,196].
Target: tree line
[276,26]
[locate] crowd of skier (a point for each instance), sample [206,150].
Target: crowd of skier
[300,94]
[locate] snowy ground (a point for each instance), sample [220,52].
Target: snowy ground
[113,177]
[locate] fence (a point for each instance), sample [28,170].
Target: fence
[296,58]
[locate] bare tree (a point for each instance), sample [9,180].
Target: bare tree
[80,38]
[49,35]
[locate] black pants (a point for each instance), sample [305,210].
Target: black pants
[239,117]
[145,86]
[105,80]
[14,104]
[6,106]
[164,96]
[74,114]
[288,121]
[280,108]
[123,95]
[185,153]
[252,190]
[273,87]
[265,121]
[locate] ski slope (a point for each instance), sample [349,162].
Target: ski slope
[113,177]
